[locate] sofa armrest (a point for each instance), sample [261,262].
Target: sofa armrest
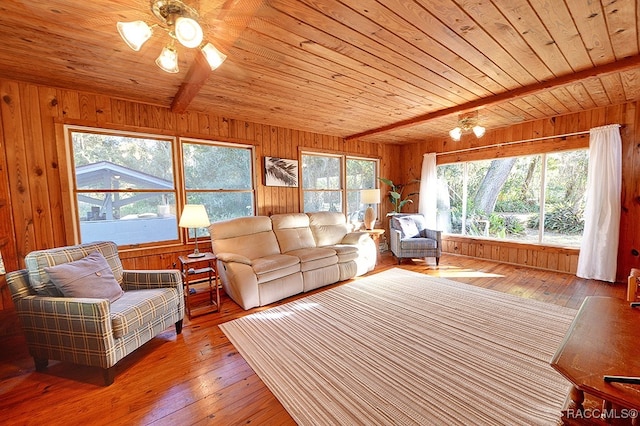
[433,234]
[44,317]
[394,240]
[355,238]
[234,257]
[145,279]
[70,329]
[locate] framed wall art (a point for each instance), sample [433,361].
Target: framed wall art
[280,172]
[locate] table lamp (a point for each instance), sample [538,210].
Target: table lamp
[194,216]
[370,196]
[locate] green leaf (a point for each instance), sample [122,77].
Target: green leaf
[403,202]
[394,195]
[386,181]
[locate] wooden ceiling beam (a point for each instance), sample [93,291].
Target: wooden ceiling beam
[599,71]
[234,17]
[197,76]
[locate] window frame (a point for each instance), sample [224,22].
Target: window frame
[69,182]
[542,194]
[344,191]
[186,140]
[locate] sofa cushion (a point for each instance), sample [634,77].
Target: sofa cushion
[137,308]
[89,277]
[292,231]
[418,243]
[345,252]
[315,258]
[275,266]
[251,237]
[328,228]
[37,260]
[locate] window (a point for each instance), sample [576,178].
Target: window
[501,198]
[333,183]
[322,183]
[220,176]
[361,174]
[124,187]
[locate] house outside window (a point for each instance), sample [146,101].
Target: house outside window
[130,188]
[333,183]
[532,199]
[124,186]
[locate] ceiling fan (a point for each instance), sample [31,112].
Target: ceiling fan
[180,21]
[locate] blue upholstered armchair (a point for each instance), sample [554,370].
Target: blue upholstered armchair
[63,320]
[410,238]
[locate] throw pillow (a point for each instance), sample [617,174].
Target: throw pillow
[89,277]
[408,227]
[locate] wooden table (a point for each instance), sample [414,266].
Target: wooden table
[604,339]
[200,297]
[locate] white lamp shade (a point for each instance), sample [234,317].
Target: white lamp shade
[194,216]
[214,57]
[478,131]
[188,32]
[456,133]
[168,60]
[370,196]
[135,33]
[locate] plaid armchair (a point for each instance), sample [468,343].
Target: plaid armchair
[91,331]
[410,238]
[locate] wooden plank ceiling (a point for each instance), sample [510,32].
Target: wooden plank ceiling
[388,71]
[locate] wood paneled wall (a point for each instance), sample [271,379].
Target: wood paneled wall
[492,145]
[32,198]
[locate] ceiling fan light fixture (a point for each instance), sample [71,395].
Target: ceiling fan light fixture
[478,131]
[188,32]
[214,57]
[168,60]
[455,133]
[135,33]
[180,21]
[467,122]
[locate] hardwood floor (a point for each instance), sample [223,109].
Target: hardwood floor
[199,377]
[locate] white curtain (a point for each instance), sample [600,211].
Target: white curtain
[428,190]
[599,248]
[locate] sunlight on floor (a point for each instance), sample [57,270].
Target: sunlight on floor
[454,272]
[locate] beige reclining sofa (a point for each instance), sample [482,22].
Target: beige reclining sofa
[264,259]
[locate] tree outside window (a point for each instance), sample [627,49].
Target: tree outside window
[501,198]
[334,182]
[220,176]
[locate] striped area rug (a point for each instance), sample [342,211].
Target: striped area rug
[402,348]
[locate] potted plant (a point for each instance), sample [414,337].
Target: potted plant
[395,194]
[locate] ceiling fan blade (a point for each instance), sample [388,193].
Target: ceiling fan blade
[233,18]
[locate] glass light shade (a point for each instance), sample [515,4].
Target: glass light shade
[478,131]
[135,33]
[370,196]
[214,57]
[456,133]
[188,32]
[194,216]
[168,60]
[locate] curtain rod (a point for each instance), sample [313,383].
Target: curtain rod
[500,145]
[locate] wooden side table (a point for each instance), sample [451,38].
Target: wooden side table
[602,340]
[376,235]
[201,289]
